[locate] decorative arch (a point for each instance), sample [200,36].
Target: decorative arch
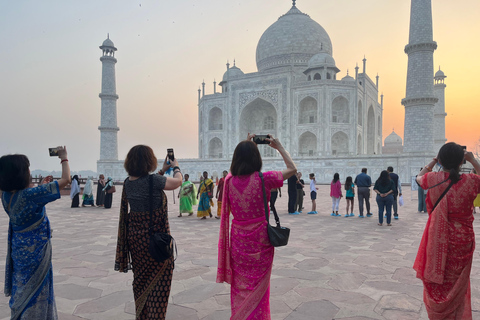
[329,76]
[340,110]
[257,117]
[307,112]
[317,76]
[215,119]
[370,130]
[379,126]
[215,148]
[360,113]
[378,148]
[359,144]
[307,145]
[309,78]
[340,143]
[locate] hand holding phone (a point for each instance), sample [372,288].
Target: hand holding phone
[261,139]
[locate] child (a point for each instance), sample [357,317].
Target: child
[350,195]
[313,193]
[336,194]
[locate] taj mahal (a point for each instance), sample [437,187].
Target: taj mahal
[328,119]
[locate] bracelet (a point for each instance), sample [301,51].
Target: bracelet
[175,168]
[428,168]
[64,160]
[161,172]
[174,172]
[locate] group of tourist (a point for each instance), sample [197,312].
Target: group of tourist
[245,255]
[104,196]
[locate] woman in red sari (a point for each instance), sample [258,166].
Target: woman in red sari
[245,255]
[445,255]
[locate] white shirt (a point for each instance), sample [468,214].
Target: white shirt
[312,186]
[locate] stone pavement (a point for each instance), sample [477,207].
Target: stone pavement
[333,267]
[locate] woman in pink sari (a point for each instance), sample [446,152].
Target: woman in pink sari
[445,255]
[245,255]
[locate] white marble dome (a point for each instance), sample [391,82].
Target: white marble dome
[393,139]
[232,72]
[293,39]
[320,60]
[439,74]
[108,43]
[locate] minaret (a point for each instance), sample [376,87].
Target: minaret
[439,113]
[420,98]
[108,126]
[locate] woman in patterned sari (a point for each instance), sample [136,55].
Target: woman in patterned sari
[445,255]
[151,279]
[245,255]
[206,194]
[28,269]
[187,197]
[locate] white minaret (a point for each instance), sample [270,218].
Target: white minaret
[420,98]
[439,113]
[108,126]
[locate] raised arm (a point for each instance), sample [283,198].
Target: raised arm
[65,179]
[471,158]
[427,168]
[291,168]
[177,179]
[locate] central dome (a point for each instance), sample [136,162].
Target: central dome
[292,40]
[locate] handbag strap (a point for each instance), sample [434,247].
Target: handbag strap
[267,215]
[150,202]
[443,194]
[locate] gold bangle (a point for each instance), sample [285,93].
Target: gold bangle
[428,168]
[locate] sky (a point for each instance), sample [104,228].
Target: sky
[50,72]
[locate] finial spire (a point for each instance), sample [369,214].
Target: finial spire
[234,62]
[294,2]
[108,35]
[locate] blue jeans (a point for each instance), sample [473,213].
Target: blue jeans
[422,206]
[385,204]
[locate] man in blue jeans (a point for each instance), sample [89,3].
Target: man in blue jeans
[363,183]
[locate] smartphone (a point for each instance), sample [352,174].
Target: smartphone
[53,152]
[170,154]
[464,148]
[261,139]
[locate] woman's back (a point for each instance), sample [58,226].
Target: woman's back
[138,192]
[245,193]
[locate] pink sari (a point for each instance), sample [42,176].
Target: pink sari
[444,258]
[245,255]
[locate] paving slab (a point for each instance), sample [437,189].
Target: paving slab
[333,267]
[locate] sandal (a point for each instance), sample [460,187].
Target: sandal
[217,217]
[203,218]
[380,224]
[190,214]
[180,215]
[389,224]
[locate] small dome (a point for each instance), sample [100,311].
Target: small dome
[108,43]
[393,138]
[440,74]
[348,78]
[320,60]
[232,73]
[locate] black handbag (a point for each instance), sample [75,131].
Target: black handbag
[162,245]
[278,235]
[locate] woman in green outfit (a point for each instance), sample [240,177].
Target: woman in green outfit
[187,197]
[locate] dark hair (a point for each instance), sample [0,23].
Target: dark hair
[140,161]
[364,170]
[75,177]
[384,178]
[311,175]
[451,157]
[14,172]
[246,159]
[390,169]
[348,183]
[336,177]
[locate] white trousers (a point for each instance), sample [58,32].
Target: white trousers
[335,204]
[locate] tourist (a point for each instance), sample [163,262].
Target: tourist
[108,193]
[274,193]
[88,193]
[206,194]
[444,258]
[313,193]
[292,194]
[476,202]
[363,183]
[384,187]
[28,270]
[422,195]
[398,190]
[219,195]
[336,194]
[187,197]
[349,195]
[300,193]
[100,193]
[151,279]
[75,192]
[245,255]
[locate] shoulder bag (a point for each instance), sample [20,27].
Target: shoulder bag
[162,245]
[112,189]
[278,235]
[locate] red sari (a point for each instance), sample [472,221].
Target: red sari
[445,255]
[245,256]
